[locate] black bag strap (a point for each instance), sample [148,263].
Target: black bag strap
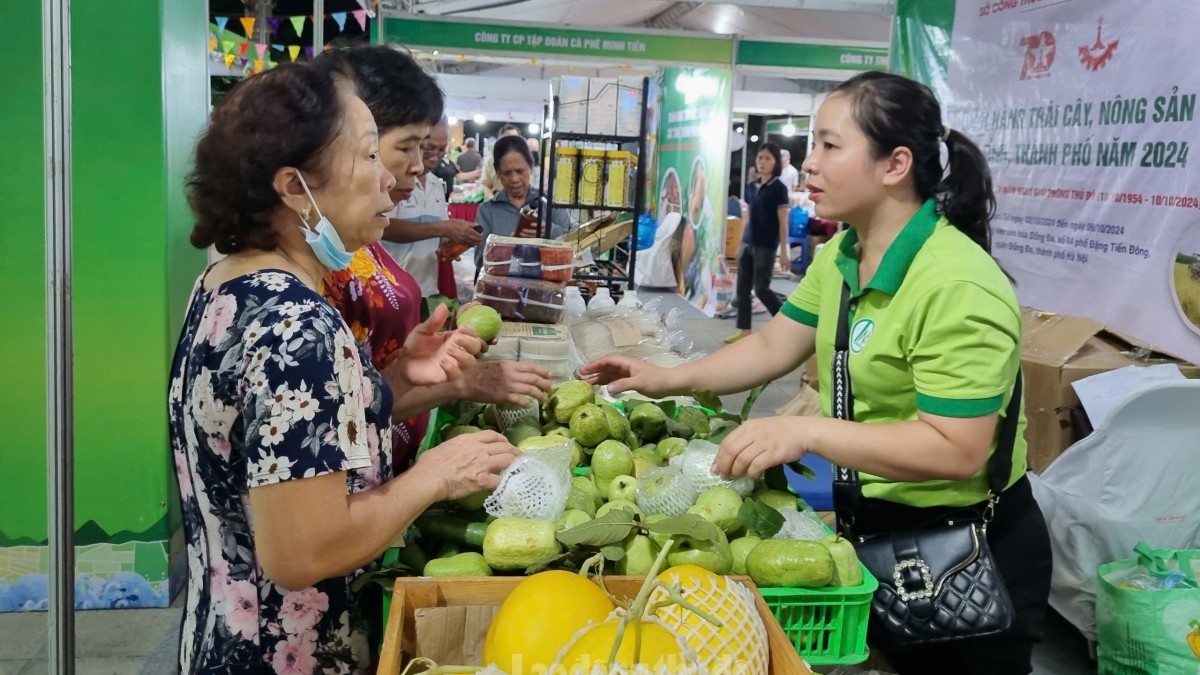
[847,492]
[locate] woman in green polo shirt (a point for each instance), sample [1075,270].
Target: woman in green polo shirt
[934,349]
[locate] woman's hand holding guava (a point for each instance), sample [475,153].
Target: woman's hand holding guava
[758,445]
[506,382]
[432,356]
[467,464]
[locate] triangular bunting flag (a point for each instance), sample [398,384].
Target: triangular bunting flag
[308,51]
[243,48]
[212,44]
[273,24]
[229,60]
[298,24]
[248,24]
[293,51]
[260,48]
[277,47]
[221,21]
[227,46]
[258,65]
[340,18]
[360,16]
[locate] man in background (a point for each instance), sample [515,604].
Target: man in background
[470,162]
[790,176]
[420,222]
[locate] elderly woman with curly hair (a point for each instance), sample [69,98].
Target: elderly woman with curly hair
[278,422]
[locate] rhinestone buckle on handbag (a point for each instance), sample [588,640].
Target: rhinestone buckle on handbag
[926,578]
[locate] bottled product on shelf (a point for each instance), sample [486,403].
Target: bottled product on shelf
[573,303]
[591,177]
[566,171]
[602,299]
[616,178]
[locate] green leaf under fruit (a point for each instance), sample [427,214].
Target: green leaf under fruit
[709,400]
[687,525]
[760,518]
[613,553]
[668,407]
[720,430]
[679,430]
[776,479]
[468,413]
[534,569]
[610,528]
[748,406]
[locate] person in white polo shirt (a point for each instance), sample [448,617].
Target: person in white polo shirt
[790,175]
[420,222]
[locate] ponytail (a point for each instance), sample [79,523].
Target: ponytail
[893,112]
[965,195]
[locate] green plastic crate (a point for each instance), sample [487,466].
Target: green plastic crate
[827,626]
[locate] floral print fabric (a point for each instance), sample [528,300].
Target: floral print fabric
[267,385]
[381,303]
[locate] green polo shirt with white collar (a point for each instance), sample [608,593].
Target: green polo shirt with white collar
[937,329]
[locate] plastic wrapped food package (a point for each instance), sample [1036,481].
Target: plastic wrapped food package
[517,299]
[505,349]
[627,331]
[556,356]
[528,258]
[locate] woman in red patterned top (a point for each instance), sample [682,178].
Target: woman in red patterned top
[380,302]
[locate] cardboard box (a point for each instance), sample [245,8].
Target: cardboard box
[446,619]
[629,106]
[600,235]
[602,106]
[572,92]
[1058,349]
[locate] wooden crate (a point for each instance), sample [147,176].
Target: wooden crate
[413,593]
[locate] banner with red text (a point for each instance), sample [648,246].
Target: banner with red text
[1087,112]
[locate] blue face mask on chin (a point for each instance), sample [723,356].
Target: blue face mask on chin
[323,239]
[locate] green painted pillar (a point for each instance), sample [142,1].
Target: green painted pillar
[139,98]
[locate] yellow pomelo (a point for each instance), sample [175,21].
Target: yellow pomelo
[661,650]
[740,644]
[541,615]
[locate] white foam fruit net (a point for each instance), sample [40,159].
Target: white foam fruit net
[536,485]
[664,490]
[696,464]
[802,525]
[739,645]
[508,415]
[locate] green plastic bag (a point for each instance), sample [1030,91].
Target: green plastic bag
[1148,613]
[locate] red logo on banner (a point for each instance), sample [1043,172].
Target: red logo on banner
[1039,55]
[1097,55]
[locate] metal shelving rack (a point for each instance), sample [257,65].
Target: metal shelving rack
[609,271]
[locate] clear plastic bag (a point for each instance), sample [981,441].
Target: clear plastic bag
[536,485]
[802,526]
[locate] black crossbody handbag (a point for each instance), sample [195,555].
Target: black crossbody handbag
[937,583]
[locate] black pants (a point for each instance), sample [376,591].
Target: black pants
[1020,544]
[755,267]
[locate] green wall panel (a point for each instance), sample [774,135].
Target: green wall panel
[22,276]
[137,106]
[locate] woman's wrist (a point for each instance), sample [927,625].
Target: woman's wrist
[423,484]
